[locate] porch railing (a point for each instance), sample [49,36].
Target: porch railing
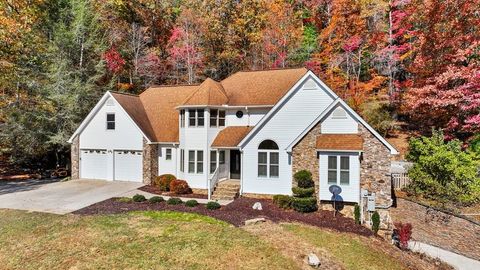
[220,173]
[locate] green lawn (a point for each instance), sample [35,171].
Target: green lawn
[144,240]
[349,250]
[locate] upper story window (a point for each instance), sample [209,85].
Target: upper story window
[168,154]
[182,118]
[268,159]
[196,118]
[110,121]
[217,118]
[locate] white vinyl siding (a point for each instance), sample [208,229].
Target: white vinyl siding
[339,121]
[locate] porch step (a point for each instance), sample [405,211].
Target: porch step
[226,190]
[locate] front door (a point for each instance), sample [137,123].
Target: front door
[234,164]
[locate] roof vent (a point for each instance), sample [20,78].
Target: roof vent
[310,85]
[110,102]
[339,113]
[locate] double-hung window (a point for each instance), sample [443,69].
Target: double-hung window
[110,121]
[268,159]
[168,154]
[217,118]
[196,118]
[195,161]
[182,160]
[182,118]
[338,170]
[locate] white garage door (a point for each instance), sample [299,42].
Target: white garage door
[128,165]
[93,164]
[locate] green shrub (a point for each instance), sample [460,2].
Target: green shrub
[163,181]
[282,201]
[174,201]
[138,198]
[125,199]
[156,199]
[304,205]
[191,203]
[180,187]
[213,205]
[303,192]
[375,222]
[304,179]
[442,171]
[356,213]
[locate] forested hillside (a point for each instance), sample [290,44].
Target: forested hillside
[410,61]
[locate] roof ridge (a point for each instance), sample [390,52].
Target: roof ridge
[123,93]
[172,85]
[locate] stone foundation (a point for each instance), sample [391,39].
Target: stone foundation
[150,162]
[200,191]
[75,158]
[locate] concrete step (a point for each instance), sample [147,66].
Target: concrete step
[226,190]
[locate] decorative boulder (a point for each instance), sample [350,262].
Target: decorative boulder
[257,206]
[254,221]
[313,260]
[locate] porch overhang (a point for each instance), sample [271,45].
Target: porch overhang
[230,137]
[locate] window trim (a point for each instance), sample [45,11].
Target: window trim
[196,118]
[213,161]
[168,153]
[220,116]
[197,162]
[268,152]
[107,121]
[338,170]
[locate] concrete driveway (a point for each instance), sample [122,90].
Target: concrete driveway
[60,197]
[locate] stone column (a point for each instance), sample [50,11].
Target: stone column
[75,157]
[150,162]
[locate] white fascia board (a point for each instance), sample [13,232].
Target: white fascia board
[129,117]
[392,149]
[94,111]
[281,102]
[90,115]
[315,122]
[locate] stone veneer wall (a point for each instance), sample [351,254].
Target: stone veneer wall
[75,158]
[374,168]
[150,162]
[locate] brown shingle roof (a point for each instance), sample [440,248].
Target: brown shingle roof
[352,142]
[231,136]
[209,92]
[134,107]
[260,87]
[160,104]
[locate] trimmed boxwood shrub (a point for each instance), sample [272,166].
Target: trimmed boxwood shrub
[356,213]
[191,203]
[138,198]
[303,192]
[180,187]
[304,205]
[163,181]
[304,179]
[375,222]
[156,199]
[213,205]
[174,201]
[282,201]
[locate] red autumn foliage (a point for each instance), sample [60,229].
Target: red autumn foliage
[114,60]
[404,233]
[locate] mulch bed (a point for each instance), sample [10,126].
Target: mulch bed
[236,213]
[156,190]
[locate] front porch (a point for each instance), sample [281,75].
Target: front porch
[225,183]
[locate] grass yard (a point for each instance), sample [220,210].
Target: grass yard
[142,240]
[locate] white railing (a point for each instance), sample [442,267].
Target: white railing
[220,173]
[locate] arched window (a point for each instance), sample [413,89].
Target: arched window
[268,159]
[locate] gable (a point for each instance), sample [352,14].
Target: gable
[339,121]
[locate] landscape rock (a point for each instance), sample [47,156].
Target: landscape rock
[313,260]
[257,206]
[254,221]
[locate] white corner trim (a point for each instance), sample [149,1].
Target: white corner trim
[357,117]
[309,74]
[94,111]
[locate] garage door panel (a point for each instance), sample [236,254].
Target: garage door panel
[93,163]
[128,165]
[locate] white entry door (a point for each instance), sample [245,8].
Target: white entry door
[93,163]
[128,165]
[341,169]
